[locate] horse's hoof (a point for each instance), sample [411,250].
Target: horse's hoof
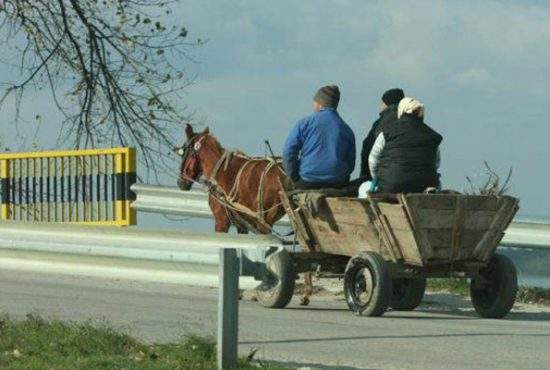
[304,301]
[248,295]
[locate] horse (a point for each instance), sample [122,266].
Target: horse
[243,191]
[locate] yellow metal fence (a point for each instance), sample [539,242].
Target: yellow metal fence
[76,186]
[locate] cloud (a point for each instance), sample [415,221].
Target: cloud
[474,78]
[480,67]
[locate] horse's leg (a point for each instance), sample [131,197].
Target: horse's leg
[241,230]
[221,220]
[308,288]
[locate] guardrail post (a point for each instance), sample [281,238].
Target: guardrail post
[5,190]
[228,309]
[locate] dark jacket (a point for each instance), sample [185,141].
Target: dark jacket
[387,117]
[408,160]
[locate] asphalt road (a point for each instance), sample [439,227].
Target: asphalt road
[443,334]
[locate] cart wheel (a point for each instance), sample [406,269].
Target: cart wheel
[407,293]
[367,284]
[277,288]
[494,290]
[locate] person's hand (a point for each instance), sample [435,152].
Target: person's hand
[373,186]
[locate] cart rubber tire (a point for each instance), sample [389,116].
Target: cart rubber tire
[407,293]
[380,293]
[277,289]
[494,292]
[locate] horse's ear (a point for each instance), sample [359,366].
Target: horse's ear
[189,131]
[206,130]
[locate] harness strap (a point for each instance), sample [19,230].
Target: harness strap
[270,165]
[228,200]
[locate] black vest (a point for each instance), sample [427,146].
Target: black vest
[407,163]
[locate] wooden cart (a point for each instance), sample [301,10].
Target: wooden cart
[387,245]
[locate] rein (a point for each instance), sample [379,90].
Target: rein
[229,199]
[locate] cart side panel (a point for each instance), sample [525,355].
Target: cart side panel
[340,225]
[348,224]
[296,216]
[507,208]
[460,227]
[402,231]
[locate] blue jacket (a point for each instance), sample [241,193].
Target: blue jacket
[320,148]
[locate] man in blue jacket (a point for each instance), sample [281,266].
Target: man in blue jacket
[320,150]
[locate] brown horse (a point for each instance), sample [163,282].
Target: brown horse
[243,191]
[236,195]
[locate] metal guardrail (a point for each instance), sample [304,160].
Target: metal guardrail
[171,200]
[133,243]
[532,235]
[238,255]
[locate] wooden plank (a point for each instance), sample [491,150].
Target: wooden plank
[423,243]
[348,240]
[458,226]
[440,254]
[486,246]
[448,201]
[408,246]
[434,218]
[303,234]
[444,219]
[396,215]
[402,230]
[348,210]
[478,220]
[383,231]
[393,242]
[434,201]
[438,238]
[469,242]
[482,203]
[511,204]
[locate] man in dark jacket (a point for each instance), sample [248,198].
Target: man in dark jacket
[405,156]
[388,115]
[320,150]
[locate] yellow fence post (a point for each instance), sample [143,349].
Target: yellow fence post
[4,183]
[120,206]
[130,179]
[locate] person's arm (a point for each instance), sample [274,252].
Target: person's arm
[291,152]
[375,153]
[365,152]
[352,153]
[437,165]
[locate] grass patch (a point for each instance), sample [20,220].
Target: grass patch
[535,295]
[39,344]
[461,286]
[451,285]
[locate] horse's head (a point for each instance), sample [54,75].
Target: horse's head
[191,167]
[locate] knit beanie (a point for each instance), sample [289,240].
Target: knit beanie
[393,96]
[328,96]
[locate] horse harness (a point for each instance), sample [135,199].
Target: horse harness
[229,200]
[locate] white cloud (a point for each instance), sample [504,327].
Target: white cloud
[464,59]
[474,78]
[480,66]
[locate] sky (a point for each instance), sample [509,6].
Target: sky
[480,67]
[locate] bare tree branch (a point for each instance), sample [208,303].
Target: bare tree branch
[114,69]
